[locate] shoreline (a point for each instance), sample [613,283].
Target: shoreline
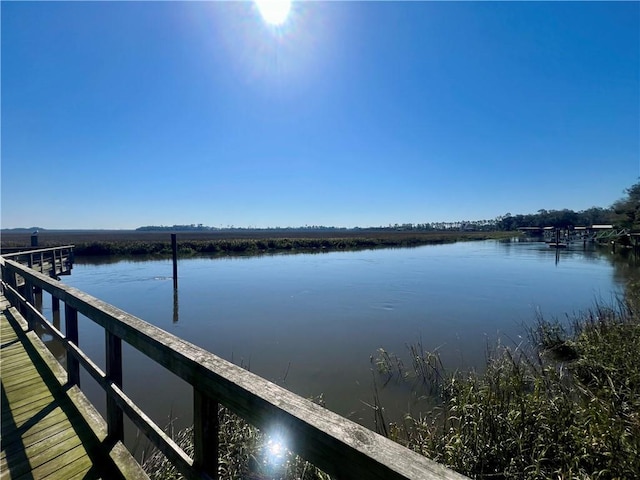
[107,243]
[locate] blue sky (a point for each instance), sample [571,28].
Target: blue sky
[122,114]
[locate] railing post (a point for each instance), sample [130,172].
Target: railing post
[206,425]
[115,425]
[54,262]
[71,332]
[55,301]
[55,305]
[36,290]
[37,296]
[9,276]
[28,295]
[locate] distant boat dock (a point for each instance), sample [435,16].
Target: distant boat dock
[563,237]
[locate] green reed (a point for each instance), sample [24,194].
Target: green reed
[565,406]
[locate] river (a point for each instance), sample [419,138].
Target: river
[311,322]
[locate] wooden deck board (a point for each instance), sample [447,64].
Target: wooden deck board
[20,376]
[53,449]
[78,468]
[42,430]
[37,395]
[28,413]
[63,456]
[44,434]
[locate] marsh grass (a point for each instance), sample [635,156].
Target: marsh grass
[247,246]
[244,453]
[240,242]
[566,405]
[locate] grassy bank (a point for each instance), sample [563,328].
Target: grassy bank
[565,406]
[240,242]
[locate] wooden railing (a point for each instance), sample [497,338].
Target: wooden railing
[51,261]
[334,444]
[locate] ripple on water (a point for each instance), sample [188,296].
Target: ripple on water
[388,306]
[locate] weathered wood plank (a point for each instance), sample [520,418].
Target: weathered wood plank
[75,469]
[10,350]
[14,363]
[26,399]
[50,464]
[52,417]
[49,425]
[6,329]
[79,467]
[17,375]
[45,429]
[22,459]
[39,446]
[19,390]
[26,413]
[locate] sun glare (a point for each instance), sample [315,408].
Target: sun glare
[274,12]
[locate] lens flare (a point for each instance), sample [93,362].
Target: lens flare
[275,453]
[274,12]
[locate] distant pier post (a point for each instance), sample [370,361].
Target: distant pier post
[174,251]
[34,239]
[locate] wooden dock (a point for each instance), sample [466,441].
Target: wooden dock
[53,262]
[49,429]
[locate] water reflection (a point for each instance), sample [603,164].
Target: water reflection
[55,346]
[176,308]
[626,270]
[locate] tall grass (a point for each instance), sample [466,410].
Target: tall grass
[101,243]
[565,406]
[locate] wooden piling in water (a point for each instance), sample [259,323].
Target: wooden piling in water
[174,251]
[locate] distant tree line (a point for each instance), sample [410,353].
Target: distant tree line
[556,218]
[627,210]
[623,213]
[203,228]
[175,228]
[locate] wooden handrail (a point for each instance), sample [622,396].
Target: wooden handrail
[53,257]
[334,444]
[38,250]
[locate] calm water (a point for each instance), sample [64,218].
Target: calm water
[310,322]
